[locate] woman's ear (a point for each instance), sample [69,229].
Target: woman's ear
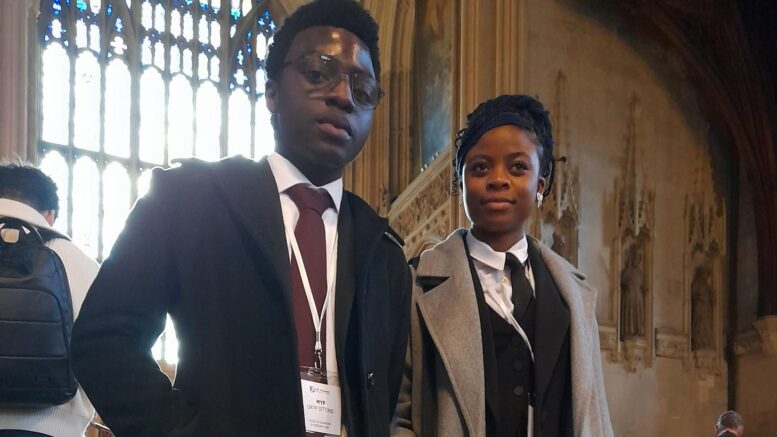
[541,185]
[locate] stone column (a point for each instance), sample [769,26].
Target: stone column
[18,76]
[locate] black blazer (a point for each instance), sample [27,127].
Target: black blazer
[207,245]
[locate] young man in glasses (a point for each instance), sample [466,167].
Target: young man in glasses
[290,296]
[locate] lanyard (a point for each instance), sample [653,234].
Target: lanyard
[318,319]
[510,318]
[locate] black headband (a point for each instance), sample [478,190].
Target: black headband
[471,136]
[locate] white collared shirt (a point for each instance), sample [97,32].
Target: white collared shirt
[490,266]
[72,417]
[286,176]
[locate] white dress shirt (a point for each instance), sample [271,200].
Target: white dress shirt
[490,266]
[287,175]
[71,418]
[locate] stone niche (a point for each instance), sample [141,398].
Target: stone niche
[699,345]
[556,222]
[630,341]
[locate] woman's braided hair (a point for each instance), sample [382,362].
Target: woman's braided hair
[522,111]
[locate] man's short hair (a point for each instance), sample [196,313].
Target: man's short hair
[344,14]
[24,183]
[728,420]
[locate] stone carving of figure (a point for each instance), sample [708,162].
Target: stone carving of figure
[702,302]
[633,295]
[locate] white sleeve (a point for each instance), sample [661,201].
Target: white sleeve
[80,268]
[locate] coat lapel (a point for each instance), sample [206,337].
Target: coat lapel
[581,301]
[346,282]
[252,196]
[450,314]
[552,323]
[359,231]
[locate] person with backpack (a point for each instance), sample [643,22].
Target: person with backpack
[44,278]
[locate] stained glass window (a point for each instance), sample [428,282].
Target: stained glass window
[127,85]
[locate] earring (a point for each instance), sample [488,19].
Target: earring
[539,200]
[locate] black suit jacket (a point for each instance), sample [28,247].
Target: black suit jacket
[207,246]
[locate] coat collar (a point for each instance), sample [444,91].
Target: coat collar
[450,314]
[252,195]
[22,211]
[580,298]
[552,322]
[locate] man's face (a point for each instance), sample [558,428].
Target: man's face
[320,131]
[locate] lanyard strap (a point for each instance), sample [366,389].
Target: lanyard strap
[318,319]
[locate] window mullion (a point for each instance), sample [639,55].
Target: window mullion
[101,162]
[225,69]
[164,37]
[68,23]
[133,63]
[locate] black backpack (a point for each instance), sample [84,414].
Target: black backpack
[36,320]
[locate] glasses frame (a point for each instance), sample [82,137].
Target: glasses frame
[301,65]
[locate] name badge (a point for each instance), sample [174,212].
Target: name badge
[321,403]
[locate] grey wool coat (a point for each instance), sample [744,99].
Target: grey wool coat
[443,392]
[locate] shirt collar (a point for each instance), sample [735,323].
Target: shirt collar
[287,175]
[22,211]
[496,260]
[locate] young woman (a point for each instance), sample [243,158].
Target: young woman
[504,338]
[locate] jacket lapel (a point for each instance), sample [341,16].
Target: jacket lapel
[450,314]
[359,231]
[581,301]
[552,323]
[345,281]
[252,197]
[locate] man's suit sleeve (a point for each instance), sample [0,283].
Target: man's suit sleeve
[121,318]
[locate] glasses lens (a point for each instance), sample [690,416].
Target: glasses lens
[319,71]
[323,72]
[366,91]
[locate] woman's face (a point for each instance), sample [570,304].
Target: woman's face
[501,179]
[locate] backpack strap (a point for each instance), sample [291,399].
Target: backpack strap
[21,226]
[43,235]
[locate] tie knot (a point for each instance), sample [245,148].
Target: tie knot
[306,197]
[512,263]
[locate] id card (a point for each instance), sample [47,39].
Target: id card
[321,404]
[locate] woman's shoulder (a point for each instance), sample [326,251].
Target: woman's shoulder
[440,257]
[556,262]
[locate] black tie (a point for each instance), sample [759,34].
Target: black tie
[522,290]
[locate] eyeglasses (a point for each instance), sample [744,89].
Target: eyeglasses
[323,73]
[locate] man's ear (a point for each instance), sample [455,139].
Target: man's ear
[271,95]
[50,216]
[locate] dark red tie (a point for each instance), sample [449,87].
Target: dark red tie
[312,244]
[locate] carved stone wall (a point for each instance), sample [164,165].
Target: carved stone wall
[628,122]
[422,215]
[556,222]
[632,252]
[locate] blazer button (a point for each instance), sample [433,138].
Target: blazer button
[518,366]
[371,379]
[518,391]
